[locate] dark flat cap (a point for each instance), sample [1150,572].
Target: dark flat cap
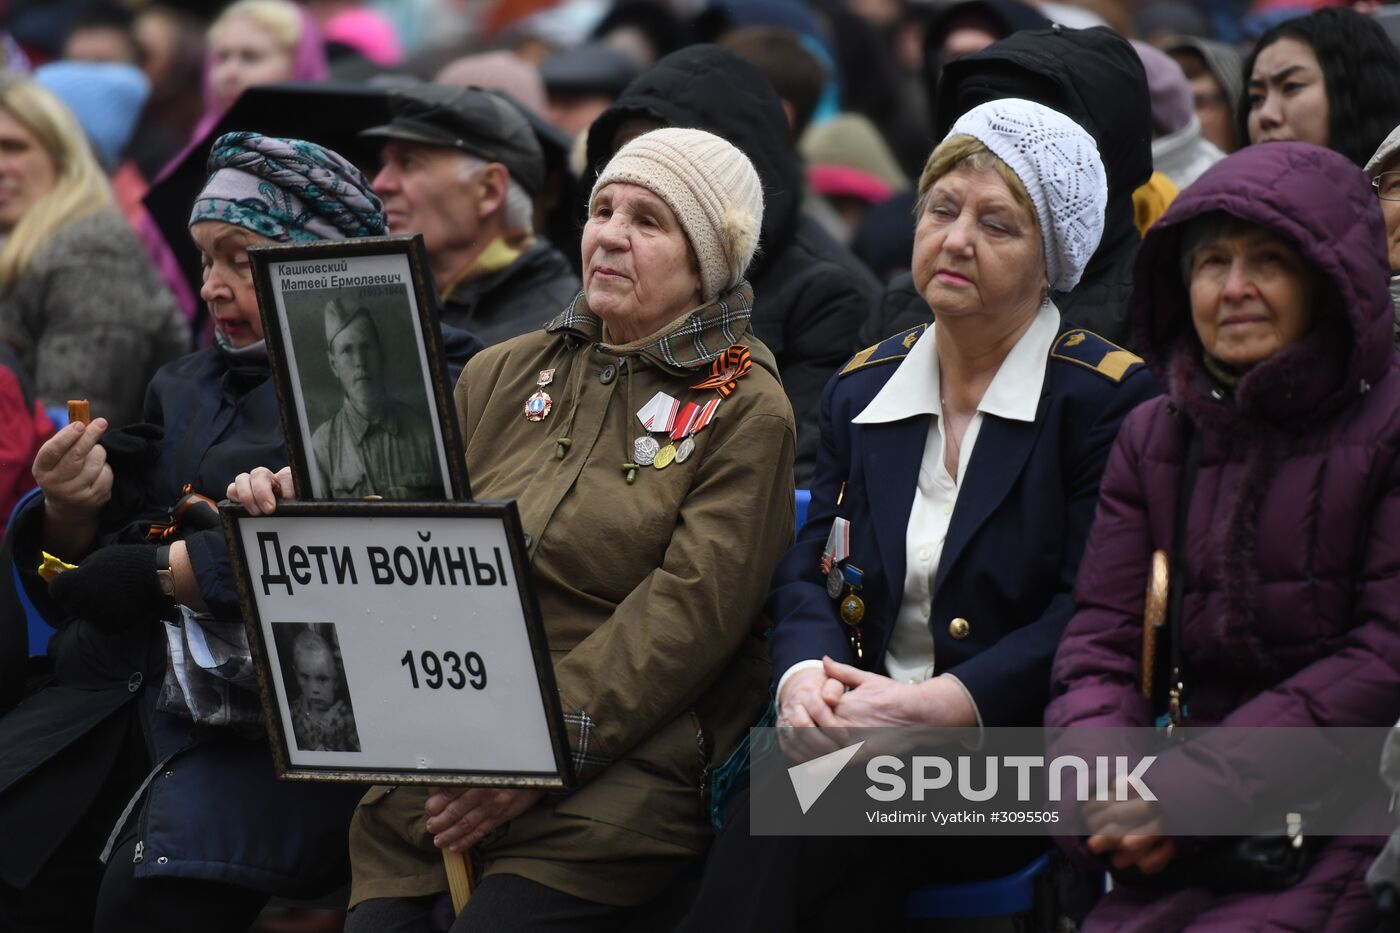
[471,119]
[594,67]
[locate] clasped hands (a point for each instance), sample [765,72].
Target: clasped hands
[1128,832]
[818,706]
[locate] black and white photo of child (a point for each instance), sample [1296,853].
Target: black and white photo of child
[323,719]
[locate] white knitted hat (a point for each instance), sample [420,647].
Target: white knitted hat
[710,186]
[1059,164]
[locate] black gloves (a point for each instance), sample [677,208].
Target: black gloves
[114,588]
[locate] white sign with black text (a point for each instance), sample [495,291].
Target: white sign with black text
[404,644]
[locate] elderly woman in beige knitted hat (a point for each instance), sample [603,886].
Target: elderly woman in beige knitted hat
[649,445]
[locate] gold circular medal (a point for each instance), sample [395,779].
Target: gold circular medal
[852,610]
[664,456]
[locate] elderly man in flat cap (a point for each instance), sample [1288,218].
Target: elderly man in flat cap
[462,166]
[375,445]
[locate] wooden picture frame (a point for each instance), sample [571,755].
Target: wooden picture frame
[399,644]
[356,353]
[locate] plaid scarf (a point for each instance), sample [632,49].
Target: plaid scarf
[691,342]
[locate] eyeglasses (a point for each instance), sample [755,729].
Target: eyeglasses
[1387,185]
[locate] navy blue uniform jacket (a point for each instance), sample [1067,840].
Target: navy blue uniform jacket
[1015,537]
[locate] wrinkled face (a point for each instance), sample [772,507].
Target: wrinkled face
[426,190]
[358,361]
[316,678]
[977,250]
[1389,187]
[245,55]
[1252,294]
[1287,95]
[27,172]
[227,289]
[638,268]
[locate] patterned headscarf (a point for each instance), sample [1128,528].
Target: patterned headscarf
[287,190]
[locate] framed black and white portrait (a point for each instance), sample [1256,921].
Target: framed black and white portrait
[353,339]
[399,643]
[321,710]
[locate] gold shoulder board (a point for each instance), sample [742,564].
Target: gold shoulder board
[1086,348]
[889,350]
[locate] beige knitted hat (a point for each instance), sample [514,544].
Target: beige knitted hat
[710,186]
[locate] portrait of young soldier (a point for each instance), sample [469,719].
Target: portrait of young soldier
[375,444]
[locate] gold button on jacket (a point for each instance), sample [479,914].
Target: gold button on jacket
[959,628]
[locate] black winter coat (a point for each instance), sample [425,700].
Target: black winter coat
[522,297]
[213,809]
[811,295]
[1094,77]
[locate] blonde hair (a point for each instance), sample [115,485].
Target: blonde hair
[279,17]
[80,187]
[963,151]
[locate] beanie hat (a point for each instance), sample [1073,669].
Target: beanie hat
[1059,164]
[1173,105]
[106,97]
[710,186]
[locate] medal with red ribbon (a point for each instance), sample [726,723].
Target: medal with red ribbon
[689,420]
[731,366]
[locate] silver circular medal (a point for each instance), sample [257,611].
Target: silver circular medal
[835,581]
[644,450]
[684,449]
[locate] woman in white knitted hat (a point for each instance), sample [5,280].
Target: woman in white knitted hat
[932,579]
[649,445]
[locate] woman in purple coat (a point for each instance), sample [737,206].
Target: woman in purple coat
[1261,305]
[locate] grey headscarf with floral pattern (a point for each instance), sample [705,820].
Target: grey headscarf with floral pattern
[288,190]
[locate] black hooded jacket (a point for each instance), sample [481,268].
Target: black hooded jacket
[1003,16]
[811,295]
[1094,77]
[522,297]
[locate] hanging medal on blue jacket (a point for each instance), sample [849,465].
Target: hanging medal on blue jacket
[838,548]
[852,608]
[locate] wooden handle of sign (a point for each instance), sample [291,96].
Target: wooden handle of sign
[1153,618]
[459,878]
[79,410]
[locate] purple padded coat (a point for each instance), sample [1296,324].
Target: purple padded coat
[1292,610]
